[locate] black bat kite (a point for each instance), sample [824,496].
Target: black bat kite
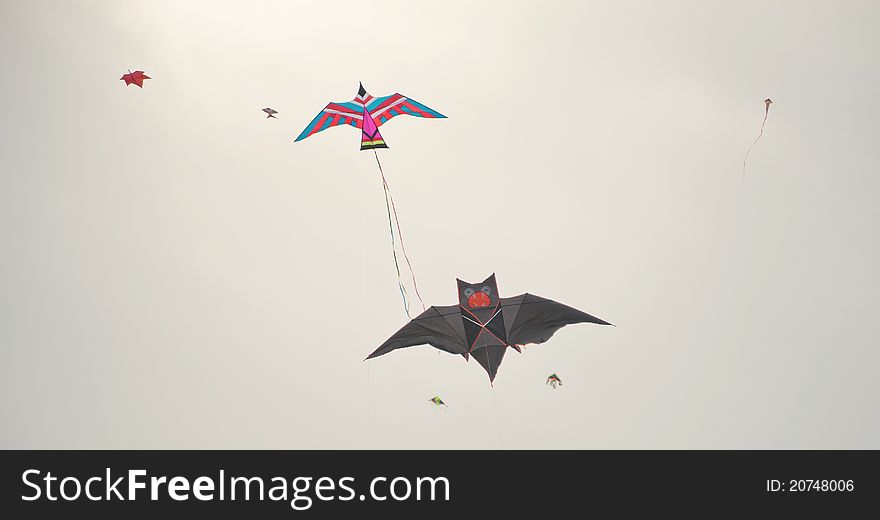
[483,325]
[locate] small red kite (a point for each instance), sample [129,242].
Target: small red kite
[137,77]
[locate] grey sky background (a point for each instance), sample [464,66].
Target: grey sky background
[177,273]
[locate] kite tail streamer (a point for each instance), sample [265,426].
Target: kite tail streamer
[394,252]
[403,248]
[760,134]
[393,209]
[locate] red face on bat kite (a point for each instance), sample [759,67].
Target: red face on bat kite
[478,296]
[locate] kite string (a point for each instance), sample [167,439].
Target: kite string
[403,248]
[394,246]
[399,232]
[369,432]
[760,134]
[369,408]
[390,197]
[492,384]
[497,417]
[494,402]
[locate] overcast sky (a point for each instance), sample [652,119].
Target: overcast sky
[178,273]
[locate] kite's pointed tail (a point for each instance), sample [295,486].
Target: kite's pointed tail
[370,136]
[391,208]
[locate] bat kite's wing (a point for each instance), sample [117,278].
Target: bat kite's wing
[532,319]
[439,327]
[384,108]
[335,114]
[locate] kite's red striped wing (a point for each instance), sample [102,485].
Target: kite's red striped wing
[334,114]
[384,108]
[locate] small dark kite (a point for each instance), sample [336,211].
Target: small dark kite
[554,380]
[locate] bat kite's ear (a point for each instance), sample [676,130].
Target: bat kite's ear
[490,280]
[461,283]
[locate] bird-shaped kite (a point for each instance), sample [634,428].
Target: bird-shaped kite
[137,78]
[483,325]
[554,380]
[271,113]
[368,113]
[767,103]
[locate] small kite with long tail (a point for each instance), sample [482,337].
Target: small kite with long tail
[368,113]
[767,103]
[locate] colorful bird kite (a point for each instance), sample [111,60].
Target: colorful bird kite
[437,401]
[767,103]
[554,380]
[271,113]
[137,78]
[368,113]
[483,325]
